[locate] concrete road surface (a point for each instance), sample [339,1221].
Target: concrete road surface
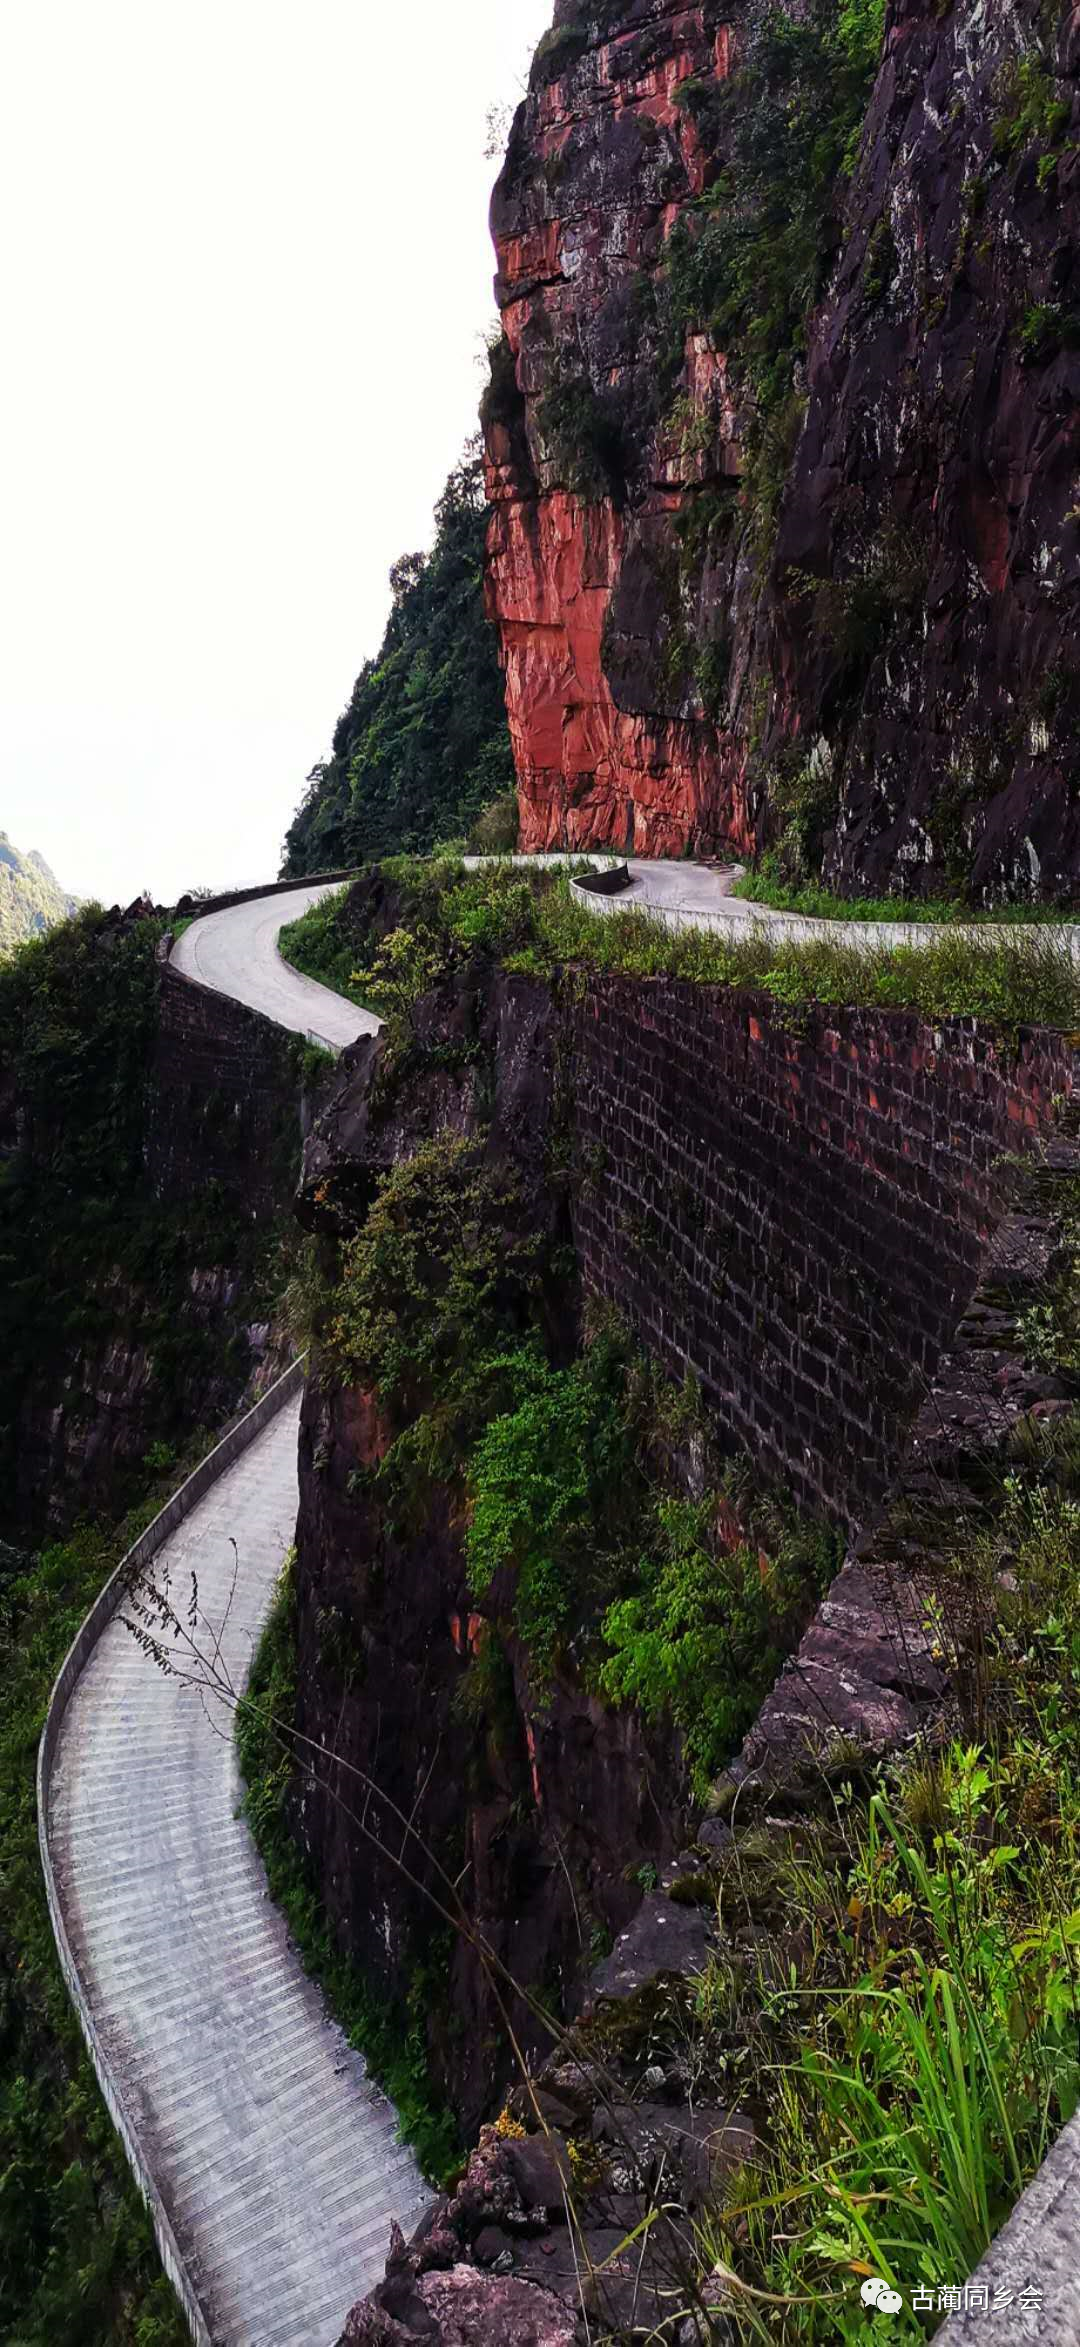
[236,952]
[275,2156]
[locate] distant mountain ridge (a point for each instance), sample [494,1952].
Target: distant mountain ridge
[31,898]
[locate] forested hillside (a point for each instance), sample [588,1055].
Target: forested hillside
[31,898]
[423,748]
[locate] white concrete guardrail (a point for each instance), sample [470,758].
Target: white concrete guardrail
[698,896]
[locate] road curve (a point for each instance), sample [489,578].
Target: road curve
[698,896]
[236,952]
[274,2155]
[275,2158]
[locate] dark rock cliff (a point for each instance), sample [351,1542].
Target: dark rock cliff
[149,1133]
[939,462]
[545,1806]
[756,571]
[800,1221]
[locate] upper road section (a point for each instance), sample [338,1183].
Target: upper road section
[698,896]
[236,952]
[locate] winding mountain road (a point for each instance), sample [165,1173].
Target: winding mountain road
[275,2160]
[236,952]
[275,2156]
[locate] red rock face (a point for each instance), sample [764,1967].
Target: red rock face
[592,774]
[660,705]
[612,742]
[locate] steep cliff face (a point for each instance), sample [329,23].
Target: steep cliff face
[936,477]
[587,472]
[546,1809]
[791,1222]
[782,438]
[537,1799]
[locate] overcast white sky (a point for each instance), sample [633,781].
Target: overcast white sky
[245,274]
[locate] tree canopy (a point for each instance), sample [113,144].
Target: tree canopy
[423,746]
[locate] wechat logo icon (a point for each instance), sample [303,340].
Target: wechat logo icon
[881,2296]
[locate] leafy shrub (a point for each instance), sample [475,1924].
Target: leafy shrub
[855,614]
[426,1295]
[318,945]
[557,50]
[921,2035]
[804,800]
[495,831]
[501,401]
[549,1482]
[1047,328]
[404,967]
[1028,110]
[584,431]
[703,1634]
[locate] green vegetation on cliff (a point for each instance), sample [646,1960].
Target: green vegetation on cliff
[788,122]
[423,749]
[914,2004]
[535,923]
[766,885]
[31,900]
[577,1542]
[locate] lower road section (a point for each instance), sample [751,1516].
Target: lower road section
[276,2158]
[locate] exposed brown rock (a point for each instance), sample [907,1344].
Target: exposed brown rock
[935,474]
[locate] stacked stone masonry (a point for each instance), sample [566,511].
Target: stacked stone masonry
[223,1103]
[795,1209]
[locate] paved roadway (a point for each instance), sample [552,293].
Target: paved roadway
[236,953]
[687,895]
[276,2157]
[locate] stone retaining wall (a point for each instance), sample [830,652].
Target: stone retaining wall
[225,1101]
[795,1207]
